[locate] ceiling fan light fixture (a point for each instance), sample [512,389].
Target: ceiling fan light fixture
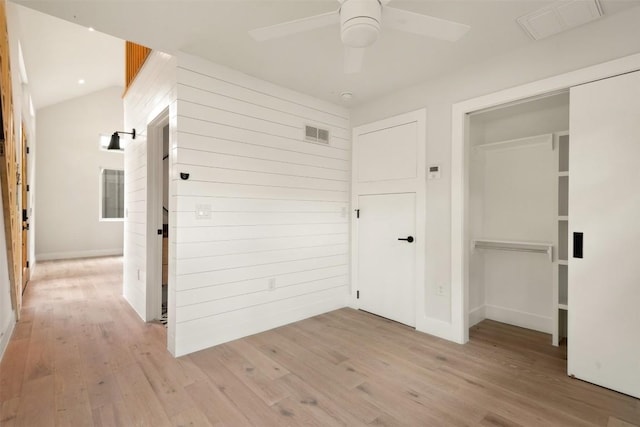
[360,22]
[360,32]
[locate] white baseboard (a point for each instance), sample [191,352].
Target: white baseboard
[477,315]
[518,318]
[51,256]
[6,334]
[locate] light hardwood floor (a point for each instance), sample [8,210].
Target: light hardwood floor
[81,357]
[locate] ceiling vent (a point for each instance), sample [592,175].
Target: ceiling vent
[559,16]
[314,134]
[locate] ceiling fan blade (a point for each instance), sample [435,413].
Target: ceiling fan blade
[353,58]
[423,25]
[295,27]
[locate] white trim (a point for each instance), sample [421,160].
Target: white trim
[6,336]
[51,256]
[417,186]
[459,327]
[518,318]
[477,315]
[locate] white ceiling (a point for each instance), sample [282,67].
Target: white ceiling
[309,62]
[57,54]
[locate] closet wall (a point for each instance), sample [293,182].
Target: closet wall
[513,197]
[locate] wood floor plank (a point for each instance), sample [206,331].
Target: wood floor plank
[37,404]
[9,411]
[143,407]
[81,356]
[250,404]
[214,405]
[271,391]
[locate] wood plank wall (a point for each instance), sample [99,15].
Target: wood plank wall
[9,169]
[276,247]
[135,57]
[151,93]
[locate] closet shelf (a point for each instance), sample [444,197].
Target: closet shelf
[520,142]
[509,245]
[563,262]
[563,173]
[563,218]
[563,307]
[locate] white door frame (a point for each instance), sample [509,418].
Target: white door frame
[417,186]
[154,214]
[460,237]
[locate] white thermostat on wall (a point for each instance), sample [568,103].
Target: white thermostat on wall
[433,172]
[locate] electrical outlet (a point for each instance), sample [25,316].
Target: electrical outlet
[272,283]
[440,290]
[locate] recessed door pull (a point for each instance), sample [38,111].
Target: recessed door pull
[407,239]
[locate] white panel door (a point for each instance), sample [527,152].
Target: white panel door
[386,265]
[388,154]
[604,205]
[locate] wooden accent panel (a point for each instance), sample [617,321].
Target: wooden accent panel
[9,170]
[135,56]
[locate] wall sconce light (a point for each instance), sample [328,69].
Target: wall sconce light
[114,144]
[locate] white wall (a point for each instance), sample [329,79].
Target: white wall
[609,38]
[7,314]
[279,207]
[68,176]
[152,92]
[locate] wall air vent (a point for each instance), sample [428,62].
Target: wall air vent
[314,134]
[559,16]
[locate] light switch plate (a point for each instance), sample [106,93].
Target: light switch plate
[203,211]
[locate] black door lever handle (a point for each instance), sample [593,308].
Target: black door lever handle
[408,239]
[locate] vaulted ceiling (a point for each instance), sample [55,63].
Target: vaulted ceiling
[310,62]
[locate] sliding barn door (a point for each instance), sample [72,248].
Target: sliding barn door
[604,216]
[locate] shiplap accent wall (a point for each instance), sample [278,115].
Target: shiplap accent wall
[275,248]
[153,91]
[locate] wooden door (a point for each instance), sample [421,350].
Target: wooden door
[604,241]
[386,255]
[25,212]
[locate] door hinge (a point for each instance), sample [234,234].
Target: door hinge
[27,187]
[358,213]
[27,150]
[27,264]
[357,294]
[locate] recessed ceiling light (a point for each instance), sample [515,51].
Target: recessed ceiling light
[81,81]
[91,29]
[346,96]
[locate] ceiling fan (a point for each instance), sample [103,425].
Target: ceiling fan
[360,24]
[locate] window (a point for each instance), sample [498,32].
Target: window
[111,194]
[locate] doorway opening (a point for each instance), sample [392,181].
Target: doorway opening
[25,212]
[165,224]
[158,218]
[518,176]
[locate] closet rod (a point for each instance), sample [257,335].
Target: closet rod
[540,248]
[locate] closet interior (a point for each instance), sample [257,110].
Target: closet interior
[518,215]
